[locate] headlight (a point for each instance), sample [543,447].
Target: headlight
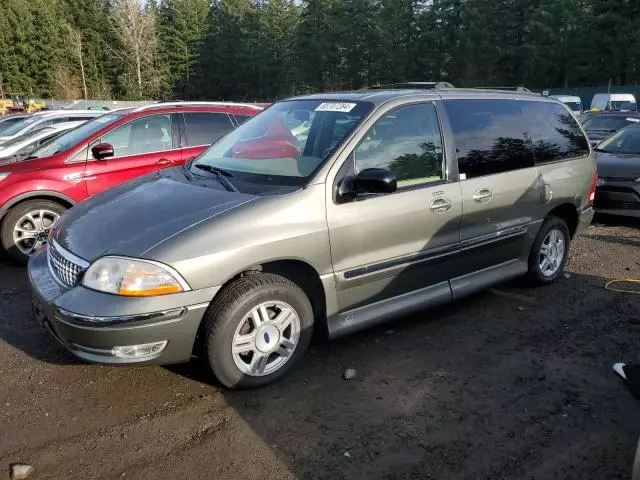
[133,278]
[3,175]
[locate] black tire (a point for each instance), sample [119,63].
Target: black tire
[535,275]
[14,215]
[230,307]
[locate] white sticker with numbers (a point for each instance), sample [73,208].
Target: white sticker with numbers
[335,107]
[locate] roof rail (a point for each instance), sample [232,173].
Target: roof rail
[196,104]
[512,89]
[413,85]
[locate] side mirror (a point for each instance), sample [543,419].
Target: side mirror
[102,151]
[376,180]
[371,180]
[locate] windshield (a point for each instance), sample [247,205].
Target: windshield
[575,106]
[285,144]
[24,137]
[605,123]
[622,106]
[6,123]
[15,127]
[71,138]
[626,140]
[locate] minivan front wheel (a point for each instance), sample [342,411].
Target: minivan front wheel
[26,227]
[550,251]
[257,329]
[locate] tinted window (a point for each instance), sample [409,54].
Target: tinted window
[143,135]
[491,136]
[6,123]
[241,118]
[605,123]
[407,142]
[626,140]
[206,128]
[555,133]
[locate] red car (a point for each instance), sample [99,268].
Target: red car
[100,154]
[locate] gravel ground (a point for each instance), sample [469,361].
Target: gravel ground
[512,383]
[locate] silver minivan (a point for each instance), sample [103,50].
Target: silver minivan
[327,213]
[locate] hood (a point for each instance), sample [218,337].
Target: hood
[618,165]
[133,217]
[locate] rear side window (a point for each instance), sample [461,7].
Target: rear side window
[554,132]
[491,136]
[204,128]
[241,118]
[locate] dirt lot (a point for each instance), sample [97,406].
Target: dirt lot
[513,383]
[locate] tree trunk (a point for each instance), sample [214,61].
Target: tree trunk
[84,81]
[138,71]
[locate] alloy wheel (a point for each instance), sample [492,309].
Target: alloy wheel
[266,338]
[32,230]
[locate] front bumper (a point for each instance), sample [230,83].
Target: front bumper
[618,197]
[90,324]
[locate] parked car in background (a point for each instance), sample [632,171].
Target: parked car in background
[44,119]
[615,102]
[100,154]
[386,202]
[600,125]
[573,102]
[24,144]
[618,160]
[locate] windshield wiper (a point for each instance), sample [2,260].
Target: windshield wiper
[601,130]
[220,173]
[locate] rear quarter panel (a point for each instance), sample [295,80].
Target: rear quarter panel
[569,181]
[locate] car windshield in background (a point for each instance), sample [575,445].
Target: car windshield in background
[623,106]
[575,106]
[285,144]
[605,123]
[24,137]
[626,140]
[7,123]
[71,138]
[15,127]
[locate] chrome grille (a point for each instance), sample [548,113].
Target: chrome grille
[64,266]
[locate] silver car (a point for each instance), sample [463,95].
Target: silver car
[327,213]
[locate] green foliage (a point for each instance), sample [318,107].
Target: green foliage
[269,49]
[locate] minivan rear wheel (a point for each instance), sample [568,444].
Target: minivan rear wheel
[26,227]
[550,251]
[257,329]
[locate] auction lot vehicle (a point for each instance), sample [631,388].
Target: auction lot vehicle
[600,125]
[390,202]
[618,162]
[620,102]
[42,119]
[104,152]
[572,101]
[27,142]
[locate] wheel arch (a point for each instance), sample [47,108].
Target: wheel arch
[60,198]
[297,271]
[569,213]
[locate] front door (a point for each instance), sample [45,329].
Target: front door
[383,246]
[141,146]
[501,195]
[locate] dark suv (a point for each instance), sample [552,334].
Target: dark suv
[100,154]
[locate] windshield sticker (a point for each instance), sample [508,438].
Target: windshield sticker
[335,107]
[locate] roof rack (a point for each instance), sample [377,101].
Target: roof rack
[512,89]
[414,85]
[196,104]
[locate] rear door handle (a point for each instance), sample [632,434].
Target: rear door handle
[483,195]
[440,205]
[164,161]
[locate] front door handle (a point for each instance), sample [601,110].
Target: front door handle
[440,205]
[164,161]
[483,195]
